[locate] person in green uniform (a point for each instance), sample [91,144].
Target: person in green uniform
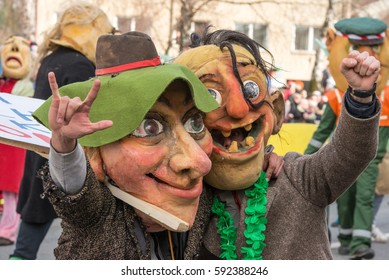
[355,206]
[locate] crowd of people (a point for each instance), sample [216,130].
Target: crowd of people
[189,138]
[302,106]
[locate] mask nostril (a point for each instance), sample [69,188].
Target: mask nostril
[185,171]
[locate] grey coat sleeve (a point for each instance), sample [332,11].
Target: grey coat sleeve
[323,176]
[68,171]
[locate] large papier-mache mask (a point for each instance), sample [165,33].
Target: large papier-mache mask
[231,67]
[362,34]
[158,148]
[16,57]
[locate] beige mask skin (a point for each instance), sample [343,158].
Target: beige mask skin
[339,48]
[16,58]
[83,36]
[239,131]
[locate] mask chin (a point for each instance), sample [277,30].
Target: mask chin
[17,74]
[185,213]
[228,175]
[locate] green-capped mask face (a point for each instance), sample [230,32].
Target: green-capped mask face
[164,159]
[157,147]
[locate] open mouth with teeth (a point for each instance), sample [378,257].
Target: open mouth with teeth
[239,139]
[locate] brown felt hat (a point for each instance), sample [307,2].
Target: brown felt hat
[124,52]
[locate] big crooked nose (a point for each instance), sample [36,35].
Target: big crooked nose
[189,159]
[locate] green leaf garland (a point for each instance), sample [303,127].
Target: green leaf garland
[255,223]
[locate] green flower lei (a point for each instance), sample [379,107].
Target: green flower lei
[255,223]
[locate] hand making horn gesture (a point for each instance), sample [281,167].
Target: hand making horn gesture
[69,117]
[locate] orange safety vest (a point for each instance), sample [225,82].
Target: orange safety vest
[384,98]
[335,102]
[335,98]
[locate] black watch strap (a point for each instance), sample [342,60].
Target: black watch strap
[363,93]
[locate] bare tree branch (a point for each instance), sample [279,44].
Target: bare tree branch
[269,1]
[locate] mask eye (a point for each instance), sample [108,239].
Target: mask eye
[376,49]
[353,48]
[195,124]
[148,128]
[215,94]
[251,90]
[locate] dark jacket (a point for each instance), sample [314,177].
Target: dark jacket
[69,66]
[98,226]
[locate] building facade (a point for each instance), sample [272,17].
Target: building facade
[293,31]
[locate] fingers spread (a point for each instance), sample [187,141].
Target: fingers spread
[72,107]
[90,98]
[103,125]
[62,107]
[53,86]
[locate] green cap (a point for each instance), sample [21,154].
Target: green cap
[362,30]
[126,96]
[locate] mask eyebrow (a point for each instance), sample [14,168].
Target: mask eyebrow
[162,99]
[207,76]
[26,43]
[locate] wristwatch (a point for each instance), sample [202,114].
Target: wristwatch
[363,93]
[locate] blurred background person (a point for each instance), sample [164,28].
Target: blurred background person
[355,206]
[16,63]
[68,50]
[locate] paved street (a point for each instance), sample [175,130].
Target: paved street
[381,250]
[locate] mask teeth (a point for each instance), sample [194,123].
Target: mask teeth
[249,141]
[248,127]
[233,147]
[226,134]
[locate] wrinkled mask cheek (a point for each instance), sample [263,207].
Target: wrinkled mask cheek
[127,163]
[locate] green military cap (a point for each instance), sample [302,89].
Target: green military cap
[362,30]
[132,79]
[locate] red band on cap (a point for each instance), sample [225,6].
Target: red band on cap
[361,37]
[124,67]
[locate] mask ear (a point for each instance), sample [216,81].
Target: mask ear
[277,99]
[330,37]
[96,162]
